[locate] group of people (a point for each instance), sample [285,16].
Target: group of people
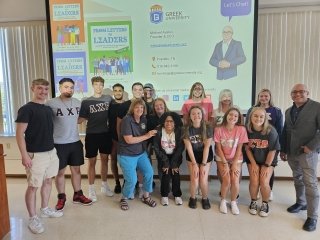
[130,131]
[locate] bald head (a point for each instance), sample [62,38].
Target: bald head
[299,94]
[227,33]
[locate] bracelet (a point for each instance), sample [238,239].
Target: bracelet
[204,164]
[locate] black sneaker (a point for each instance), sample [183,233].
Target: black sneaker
[192,203]
[205,203]
[253,208]
[264,210]
[117,188]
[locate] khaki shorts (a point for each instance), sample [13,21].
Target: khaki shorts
[44,165]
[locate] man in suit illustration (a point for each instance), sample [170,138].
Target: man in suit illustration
[227,55]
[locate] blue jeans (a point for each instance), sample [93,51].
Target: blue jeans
[304,171]
[129,165]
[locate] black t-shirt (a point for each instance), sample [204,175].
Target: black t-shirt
[260,145]
[113,114]
[198,144]
[130,127]
[39,132]
[96,111]
[123,109]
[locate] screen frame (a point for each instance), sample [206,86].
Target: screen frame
[254,50]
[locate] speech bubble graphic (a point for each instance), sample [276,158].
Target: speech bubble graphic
[230,8]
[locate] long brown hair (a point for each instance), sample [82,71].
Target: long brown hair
[193,86]
[203,125]
[240,118]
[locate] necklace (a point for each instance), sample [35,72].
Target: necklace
[64,102]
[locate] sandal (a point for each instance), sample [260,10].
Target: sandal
[124,204]
[149,201]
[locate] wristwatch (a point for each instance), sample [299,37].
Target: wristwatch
[266,165]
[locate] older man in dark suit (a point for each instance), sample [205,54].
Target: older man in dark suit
[300,145]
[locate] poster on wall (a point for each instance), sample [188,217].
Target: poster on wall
[171,44]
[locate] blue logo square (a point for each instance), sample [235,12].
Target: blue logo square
[175,98]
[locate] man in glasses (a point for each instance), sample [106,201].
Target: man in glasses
[227,55]
[300,145]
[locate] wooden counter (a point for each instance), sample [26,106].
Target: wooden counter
[4,209]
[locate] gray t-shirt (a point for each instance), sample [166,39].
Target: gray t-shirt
[130,127]
[96,111]
[260,145]
[65,120]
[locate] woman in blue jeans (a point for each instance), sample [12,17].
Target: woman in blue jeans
[132,153]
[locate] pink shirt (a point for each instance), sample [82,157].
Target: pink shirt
[230,140]
[206,105]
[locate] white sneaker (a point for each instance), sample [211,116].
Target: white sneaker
[164,201]
[223,206]
[35,225]
[178,200]
[234,208]
[106,190]
[92,195]
[271,196]
[140,192]
[50,213]
[258,195]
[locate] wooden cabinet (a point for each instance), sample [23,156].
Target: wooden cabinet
[4,209]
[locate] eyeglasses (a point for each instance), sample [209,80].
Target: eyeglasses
[226,32]
[197,88]
[299,91]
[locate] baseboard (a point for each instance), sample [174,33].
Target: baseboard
[182,177]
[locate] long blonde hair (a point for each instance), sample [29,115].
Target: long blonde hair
[266,127]
[258,104]
[223,93]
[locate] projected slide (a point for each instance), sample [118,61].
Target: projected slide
[171,44]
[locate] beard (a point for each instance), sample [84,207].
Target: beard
[67,95]
[118,98]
